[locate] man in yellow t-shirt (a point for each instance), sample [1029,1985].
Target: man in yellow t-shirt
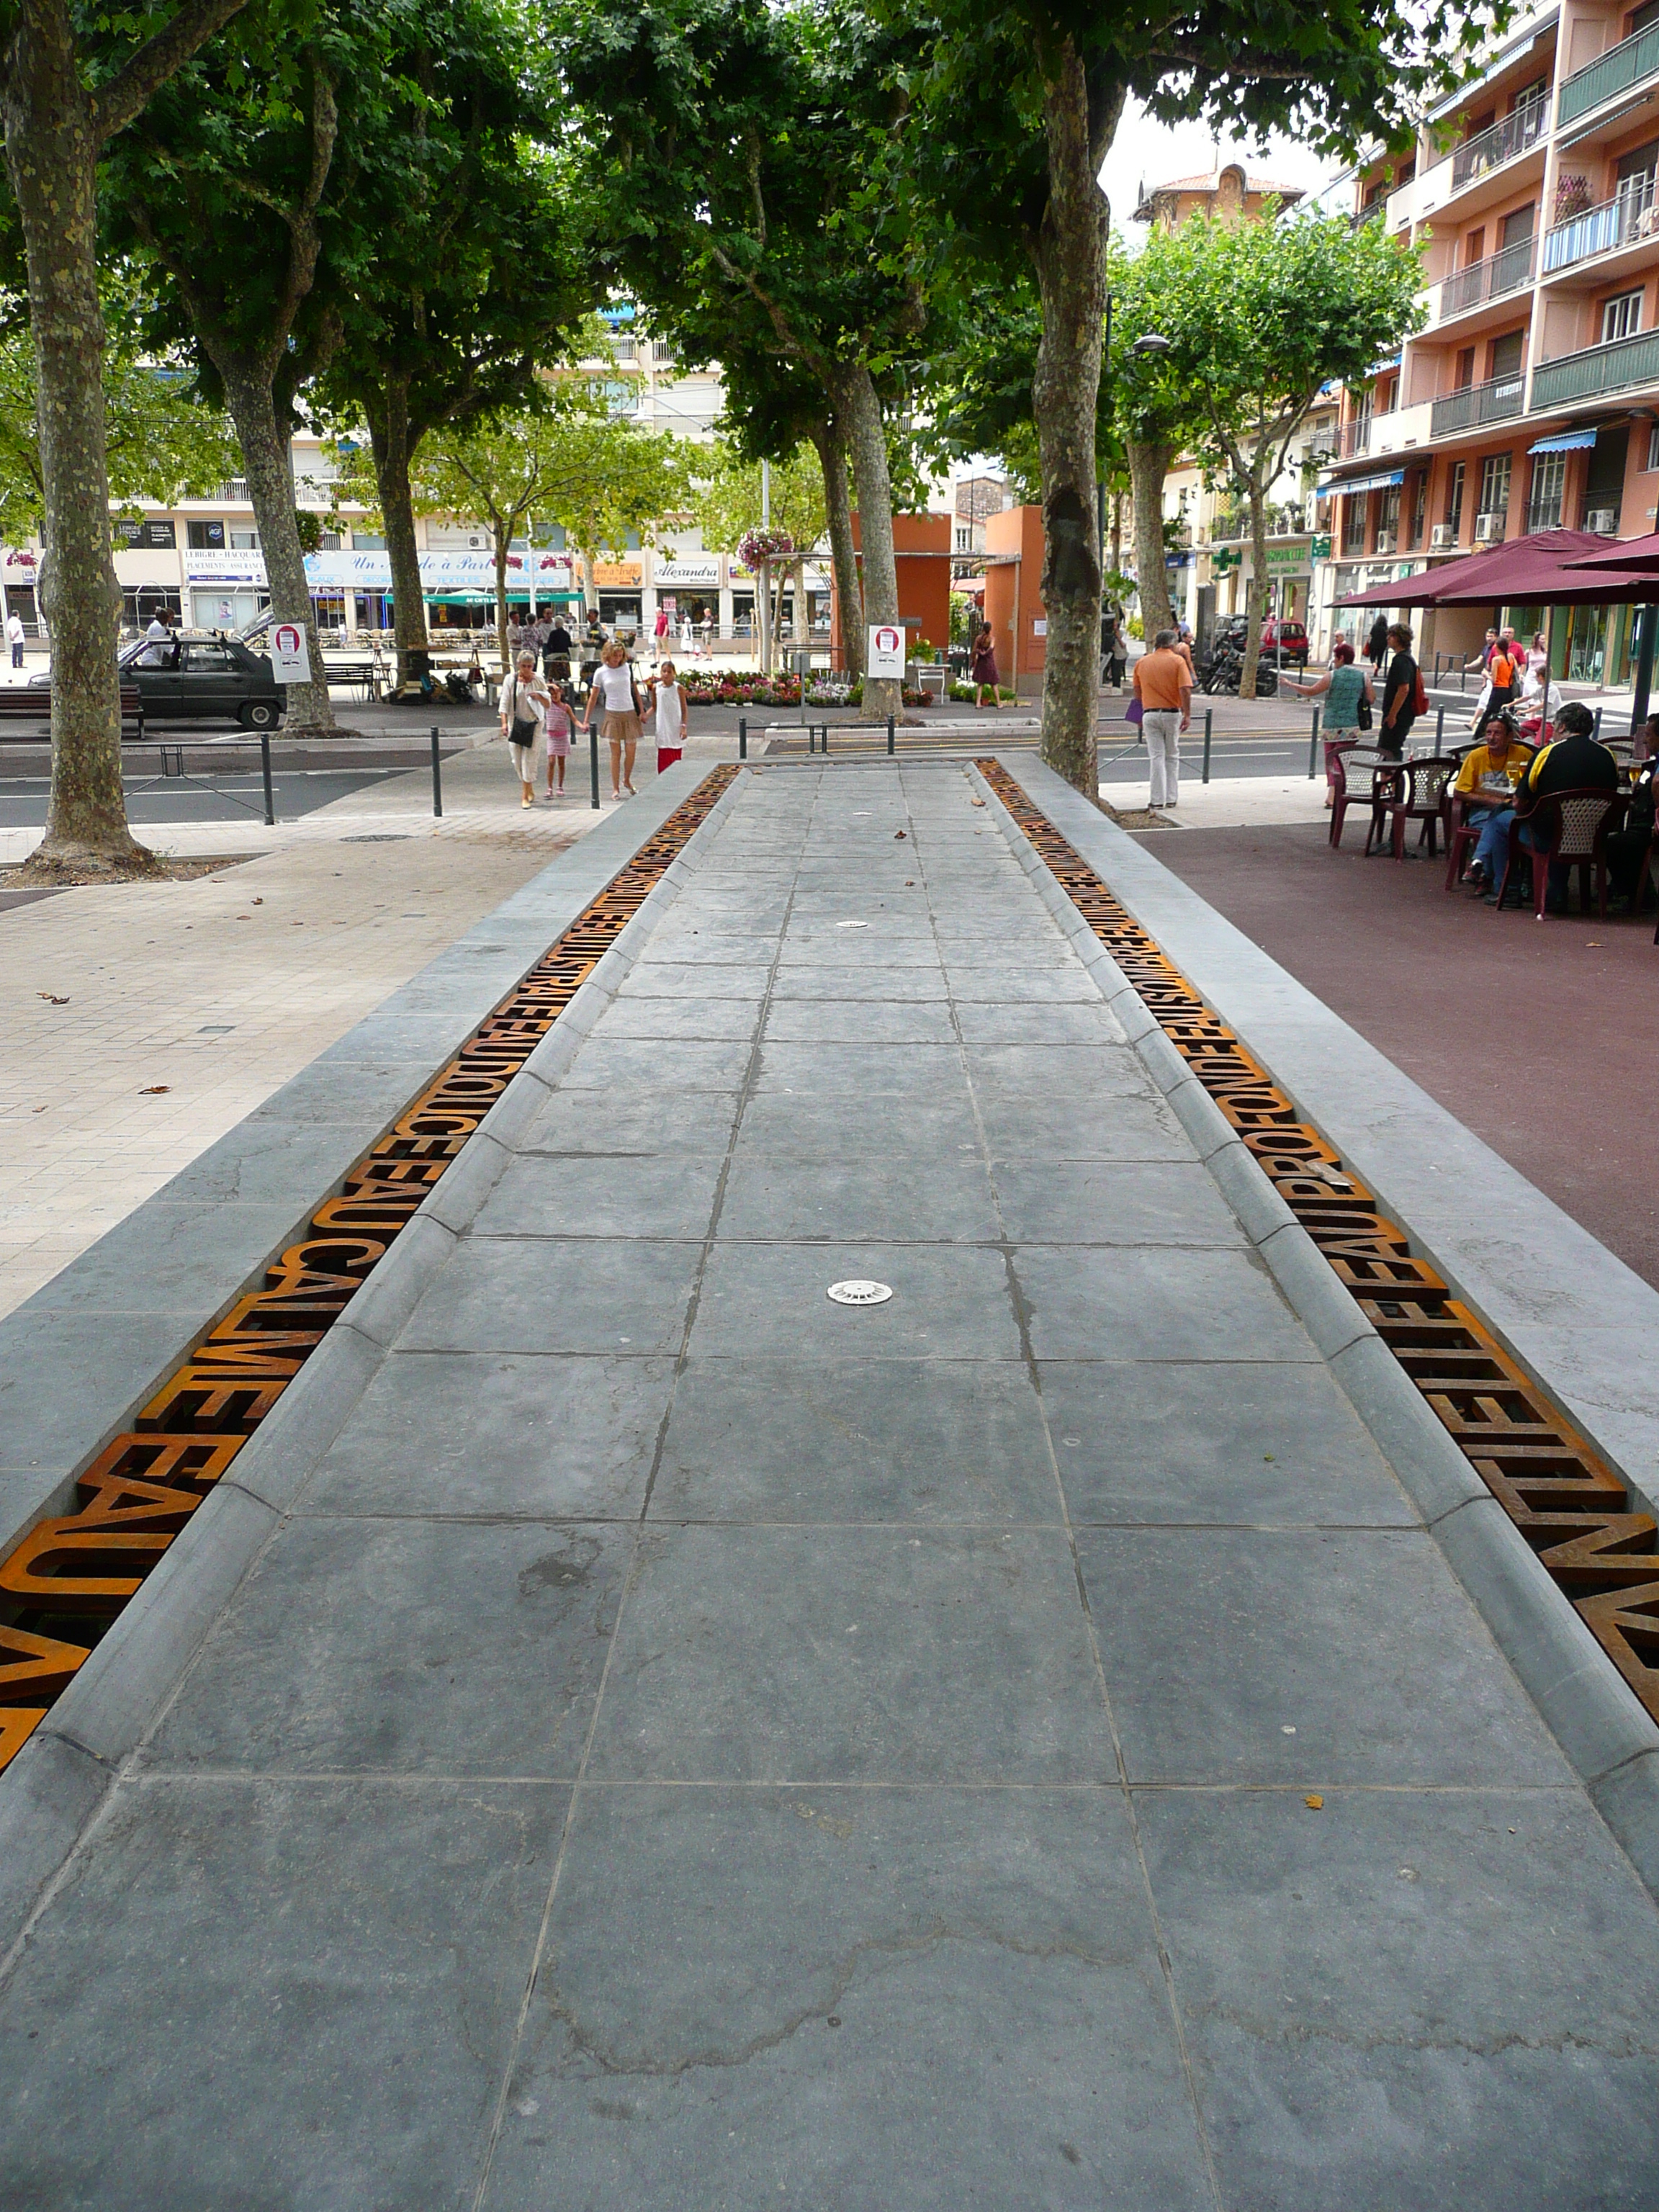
[1487,778]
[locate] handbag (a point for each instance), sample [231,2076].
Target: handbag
[524,729]
[1365,712]
[1133,712]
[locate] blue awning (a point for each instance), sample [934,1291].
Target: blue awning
[1568,441]
[1338,488]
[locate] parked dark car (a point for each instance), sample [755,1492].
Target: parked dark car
[200,679]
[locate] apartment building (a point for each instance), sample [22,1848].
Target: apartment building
[1529,399]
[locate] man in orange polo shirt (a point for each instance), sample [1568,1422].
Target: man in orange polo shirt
[1164,685]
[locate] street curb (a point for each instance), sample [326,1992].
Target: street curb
[1605,1736]
[54,1786]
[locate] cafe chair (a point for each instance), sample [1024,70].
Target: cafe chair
[1577,823]
[1380,772]
[1421,797]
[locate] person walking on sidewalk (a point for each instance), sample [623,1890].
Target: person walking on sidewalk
[1162,683]
[1401,702]
[1376,645]
[984,669]
[524,702]
[669,696]
[560,722]
[15,636]
[616,696]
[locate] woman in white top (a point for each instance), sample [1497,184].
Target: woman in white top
[525,702]
[671,705]
[614,694]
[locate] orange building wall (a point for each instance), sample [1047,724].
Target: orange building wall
[1008,583]
[922,548]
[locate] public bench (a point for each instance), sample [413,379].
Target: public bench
[33,704]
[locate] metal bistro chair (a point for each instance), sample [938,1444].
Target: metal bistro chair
[1384,771]
[1422,799]
[1578,823]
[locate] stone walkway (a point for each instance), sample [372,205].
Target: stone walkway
[694,1745]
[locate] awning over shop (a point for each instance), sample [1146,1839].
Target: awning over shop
[1339,489]
[1565,442]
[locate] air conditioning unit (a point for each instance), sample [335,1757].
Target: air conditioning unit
[1488,529]
[1443,534]
[1604,520]
[1385,541]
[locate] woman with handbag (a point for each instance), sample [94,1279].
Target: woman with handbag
[1349,699]
[524,702]
[983,674]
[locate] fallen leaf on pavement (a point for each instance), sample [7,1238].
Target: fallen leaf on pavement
[1313,1804]
[901,833]
[259,901]
[52,997]
[153,1090]
[976,802]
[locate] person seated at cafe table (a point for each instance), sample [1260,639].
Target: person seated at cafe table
[1575,761]
[1487,779]
[1627,847]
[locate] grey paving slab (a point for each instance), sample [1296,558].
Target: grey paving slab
[638,1194]
[541,1294]
[950,1302]
[498,1434]
[1095,1202]
[867,1653]
[884,988]
[858,1070]
[641,1012]
[1371,2022]
[610,1063]
[420,1639]
[810,1123]
[640,1119]
[824,1999]
[241,2031]
[1233,1654]
[1127,1302]
[1132,1127]
[851,1440]
[859,1021]
[1240,1443]
[882,1200]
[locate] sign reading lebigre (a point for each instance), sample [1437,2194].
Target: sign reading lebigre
[886,656]
[290,661]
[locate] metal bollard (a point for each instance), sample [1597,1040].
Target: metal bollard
[743,737]
[1313,746]
[1596,732]
[593,758]
[823,738]
[437,778]
[889,733]
[1209,729]
[265,764]
[1440,730]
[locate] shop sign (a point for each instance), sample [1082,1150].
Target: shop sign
[204,565]
[670,571]
[148,536]
[613,575]
[443,570]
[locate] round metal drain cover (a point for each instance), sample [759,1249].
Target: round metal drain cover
[859,1293]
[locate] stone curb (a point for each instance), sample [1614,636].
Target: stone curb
[1605,1736]
[53,1788]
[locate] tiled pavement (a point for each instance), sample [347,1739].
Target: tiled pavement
[693,1745]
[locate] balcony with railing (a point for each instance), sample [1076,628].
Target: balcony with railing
[1352,437]
[1631,216]
[1501,272]
[1495,401]
[1517,134]
[1616,71]
[1618,365]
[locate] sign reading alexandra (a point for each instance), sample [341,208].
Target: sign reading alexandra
[290,660]
[886,656]
[669,569]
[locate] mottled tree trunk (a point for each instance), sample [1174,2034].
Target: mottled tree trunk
[1115,539]
[51,157]
[1148,466]
[843,560]
[389,438]
[1070,253]
[265,456]
[858,406]
[1256,598]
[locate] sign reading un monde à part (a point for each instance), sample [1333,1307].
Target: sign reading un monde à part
[462,571]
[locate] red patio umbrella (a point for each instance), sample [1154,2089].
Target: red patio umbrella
[1628,553]
[1512,571]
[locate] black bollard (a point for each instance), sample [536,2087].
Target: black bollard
[743,737]
[1209,729]
[437,778]
[593,759]
[890,735]
[265,764]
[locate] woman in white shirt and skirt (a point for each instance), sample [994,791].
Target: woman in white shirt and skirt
[615,695]
[524,702]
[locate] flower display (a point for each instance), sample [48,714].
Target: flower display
[757,546]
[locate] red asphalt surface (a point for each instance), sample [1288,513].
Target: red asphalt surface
[1542,1037]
